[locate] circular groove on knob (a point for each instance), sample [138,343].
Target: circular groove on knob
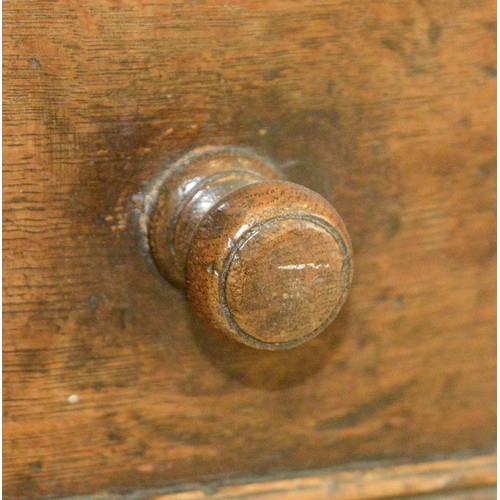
[344,278]
[195,190]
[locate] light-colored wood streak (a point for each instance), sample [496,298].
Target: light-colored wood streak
[472,478]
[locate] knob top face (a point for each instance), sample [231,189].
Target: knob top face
[269,265]
[284,279]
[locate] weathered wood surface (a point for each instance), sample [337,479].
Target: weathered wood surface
[386,108]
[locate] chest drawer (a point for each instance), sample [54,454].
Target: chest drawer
[386,109]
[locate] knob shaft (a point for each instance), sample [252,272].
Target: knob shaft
[265,261]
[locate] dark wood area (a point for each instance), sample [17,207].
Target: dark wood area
[386,108]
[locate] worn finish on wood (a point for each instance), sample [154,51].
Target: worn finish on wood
[268,263]
[385,108]
[467,478]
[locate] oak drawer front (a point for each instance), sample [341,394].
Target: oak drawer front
[386,109]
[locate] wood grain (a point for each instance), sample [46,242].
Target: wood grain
[386,108]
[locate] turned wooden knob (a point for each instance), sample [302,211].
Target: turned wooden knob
[264,261]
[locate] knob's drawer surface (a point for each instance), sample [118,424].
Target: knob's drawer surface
[385,109]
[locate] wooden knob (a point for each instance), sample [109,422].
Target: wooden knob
[264,261]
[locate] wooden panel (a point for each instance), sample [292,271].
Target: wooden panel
[387,108]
